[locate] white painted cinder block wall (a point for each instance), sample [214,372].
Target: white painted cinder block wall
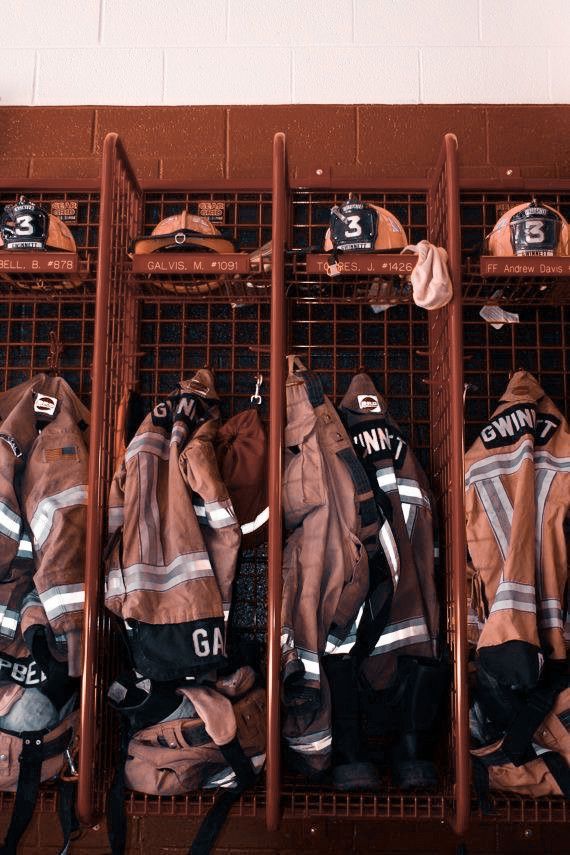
[284,51]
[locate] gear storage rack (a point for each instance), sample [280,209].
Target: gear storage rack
[152,334]
[414,358]
[539,342]
[118,329]
[45,325]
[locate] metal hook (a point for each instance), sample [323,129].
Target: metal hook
[256,397]
[55,351]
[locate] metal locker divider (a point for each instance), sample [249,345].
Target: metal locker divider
[114,371]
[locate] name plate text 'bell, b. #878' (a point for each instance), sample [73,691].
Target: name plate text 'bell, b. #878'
[38,262]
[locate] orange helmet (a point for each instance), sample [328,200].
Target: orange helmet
[181,233]
[530,229]
[26,226]
[361,227]
[184,232]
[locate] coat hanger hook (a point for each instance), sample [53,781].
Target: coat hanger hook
[54,354]
[256,397]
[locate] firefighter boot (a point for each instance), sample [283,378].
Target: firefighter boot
[351,770]
[420,688]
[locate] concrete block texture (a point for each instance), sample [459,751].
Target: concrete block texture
[416,22]
[226,52]
[51,23]
[526,23]
[291,22]
[99,76]
[228,75]
[148,23]
[17,81]
[322,75]
[481,75]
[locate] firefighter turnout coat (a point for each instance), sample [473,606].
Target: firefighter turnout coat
[517,483]
[44,432]
[331,516]
[401,490]
[175,538]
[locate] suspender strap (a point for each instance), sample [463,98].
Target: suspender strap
[66,810]
[314,388]
[559,770]
[367,507]
[34,752]
[213,822]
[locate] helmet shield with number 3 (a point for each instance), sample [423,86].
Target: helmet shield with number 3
[362,227]
[530,229]
[25,226]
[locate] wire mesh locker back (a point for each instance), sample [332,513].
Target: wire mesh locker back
[47,326]
[539,342]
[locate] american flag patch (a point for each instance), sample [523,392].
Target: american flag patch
[68,452]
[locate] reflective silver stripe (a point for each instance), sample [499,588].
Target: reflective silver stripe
[499,464]
[390,547]
[401,634]
[499,512]
[179,434]
[260,519]
[411,492]
[116,519]
[310,661]
[344,645]
[410,513]
[226,778]
[25,548]
[9,620]
[287,639]
[216,514]
[550,614]
[517,596]
[386,479]
[10,522]
[143,577]
[62,599]
[151,443]
[42,519]
[149,515]
[543,483]
[315,747]
[546,460]
[311,743]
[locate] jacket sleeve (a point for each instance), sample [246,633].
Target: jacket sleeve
[54,496]
[114,584]
[215,512]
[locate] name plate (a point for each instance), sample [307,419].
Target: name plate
[525,265]
[38,262]
[350,263]
[177,263]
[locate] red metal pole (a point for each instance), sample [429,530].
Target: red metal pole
[276,425]
[455,320]
[88,712]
